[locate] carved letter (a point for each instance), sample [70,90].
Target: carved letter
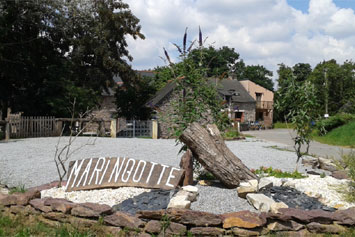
[128,172]
[151,171]
[75,170]
[103,175]
[97,170]
[162,172]
[86,172]
[171,176]
[135,173]
[118,171]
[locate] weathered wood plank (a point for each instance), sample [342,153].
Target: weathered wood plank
[94,173]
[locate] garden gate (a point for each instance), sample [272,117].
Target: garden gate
[135,128]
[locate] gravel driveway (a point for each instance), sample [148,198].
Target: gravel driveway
[30,162]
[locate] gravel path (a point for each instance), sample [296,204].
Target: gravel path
[30,162]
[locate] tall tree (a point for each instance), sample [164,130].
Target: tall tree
[51,51]
[258,74]
[218,62]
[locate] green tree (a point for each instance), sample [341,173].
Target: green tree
[197,99]
[302,113]
[217,62]
[258,74]
[51,51]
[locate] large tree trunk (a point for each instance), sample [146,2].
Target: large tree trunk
[208,147]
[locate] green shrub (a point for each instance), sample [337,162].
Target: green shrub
[230,133]
[347,163]
[269,171]
[326,125]
[2,135]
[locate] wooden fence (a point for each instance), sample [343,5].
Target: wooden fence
[22,127]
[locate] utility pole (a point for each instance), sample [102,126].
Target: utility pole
[326,92]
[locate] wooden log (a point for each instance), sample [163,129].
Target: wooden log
[186,163]
[208,147]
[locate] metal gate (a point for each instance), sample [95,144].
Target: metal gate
[136,128]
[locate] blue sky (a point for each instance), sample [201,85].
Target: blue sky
[303,4]
[264,32]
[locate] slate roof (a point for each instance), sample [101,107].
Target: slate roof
[227,87]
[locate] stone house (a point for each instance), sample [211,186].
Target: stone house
[239,104]
[264,102]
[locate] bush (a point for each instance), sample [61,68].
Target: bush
[347,163]
[230,134]
[326,125]
[2,135]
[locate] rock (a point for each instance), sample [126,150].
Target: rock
[179,202]
[260,201]
[340,174]
[321,228]
[195,218]
[253,183]
[18,198]
[189,196]
[152,215]
[244,190]
[243,219]
[243,232]
[153,227]
[207,231]
[4,190]
[326,164]
[153,200]
[81,222]
[190,188]
[91,210]
[39,205]
[264,183]
[307,216]
[274,208]
[121,219]
[156,227]
[56,216]
[339,206]
[27,210]
[51,223]
[60,204]
[346,217]
[284,225]
[111,230]
[311,161]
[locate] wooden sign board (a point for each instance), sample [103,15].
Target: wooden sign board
[94,173]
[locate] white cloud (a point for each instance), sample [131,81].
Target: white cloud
[266,32]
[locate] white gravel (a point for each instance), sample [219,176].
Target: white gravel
[30,162]
[102,196]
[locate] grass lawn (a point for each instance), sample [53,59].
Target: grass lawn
[341,136]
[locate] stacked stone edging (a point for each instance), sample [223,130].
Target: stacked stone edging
[174,221]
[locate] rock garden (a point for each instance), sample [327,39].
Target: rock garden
[267,201]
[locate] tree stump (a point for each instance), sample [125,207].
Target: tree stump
[208,147]
[187,164]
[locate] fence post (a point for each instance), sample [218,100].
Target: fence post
[113,128]
[58,127]
[134,128]
[7,126]
[155,129]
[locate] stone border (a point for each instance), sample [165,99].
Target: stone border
[174,221]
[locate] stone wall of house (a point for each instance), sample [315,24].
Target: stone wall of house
[165,117]
[249,110]
[105,112]
[172,221]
